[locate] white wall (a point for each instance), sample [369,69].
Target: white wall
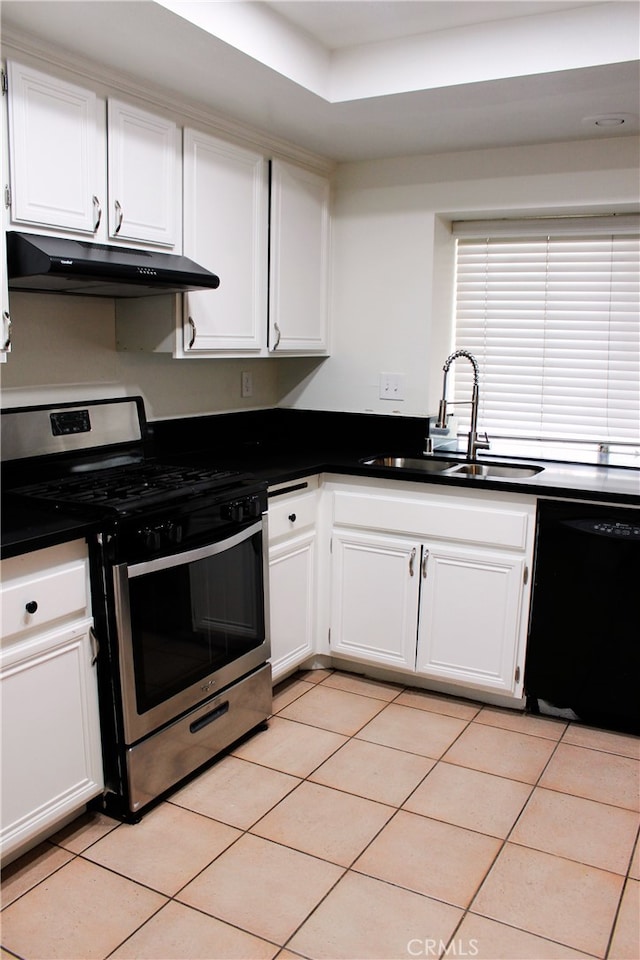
[391,298]
[392,255]
[64,348]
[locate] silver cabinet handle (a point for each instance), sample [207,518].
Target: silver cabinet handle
[119,215]
[425,558]
[412,560]
[95,646]
[97,209]
[6,346]
[193,333]
[278,335]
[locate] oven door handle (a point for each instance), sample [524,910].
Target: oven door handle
[190,556]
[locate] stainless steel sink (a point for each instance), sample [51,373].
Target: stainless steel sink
[451,468]
[496,470]
[427,465]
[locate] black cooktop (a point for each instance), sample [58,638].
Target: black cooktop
[130,487]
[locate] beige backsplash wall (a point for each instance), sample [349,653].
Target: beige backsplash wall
[64,348]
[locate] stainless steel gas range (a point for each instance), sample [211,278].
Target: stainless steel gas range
[179,588]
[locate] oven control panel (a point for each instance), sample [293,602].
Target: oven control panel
[64,422]
[156,536]
[187,526]
[238,511]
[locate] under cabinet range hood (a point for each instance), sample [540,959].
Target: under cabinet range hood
[57,265]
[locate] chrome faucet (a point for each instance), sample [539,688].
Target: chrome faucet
[474,443]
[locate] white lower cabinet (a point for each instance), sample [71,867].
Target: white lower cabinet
[432,582]
[51,753]
[470,602]
[292,577]
[374,598]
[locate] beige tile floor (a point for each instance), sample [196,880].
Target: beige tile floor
[367,821]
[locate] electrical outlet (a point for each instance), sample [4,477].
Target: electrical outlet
[246,384]
[391,386]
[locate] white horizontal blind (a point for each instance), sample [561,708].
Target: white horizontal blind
[554,324]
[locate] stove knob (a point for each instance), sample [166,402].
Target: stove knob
[233,512]
[151,538]
[174,532]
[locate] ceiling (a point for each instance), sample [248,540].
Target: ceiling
[363,79]
[347,23]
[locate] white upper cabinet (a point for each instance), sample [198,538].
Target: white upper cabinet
[226,195]
[54,156]
[144,164]
[299,260]
[64,153]
[92,166]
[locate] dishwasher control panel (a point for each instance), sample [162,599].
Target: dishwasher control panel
[607,528]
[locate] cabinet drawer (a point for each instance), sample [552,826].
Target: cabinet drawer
[494,524]
[292,515]
[43,589]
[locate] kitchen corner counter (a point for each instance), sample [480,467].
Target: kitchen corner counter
[576,481]
[282,446]
[26,527]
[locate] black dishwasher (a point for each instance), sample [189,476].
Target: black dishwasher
[583,654]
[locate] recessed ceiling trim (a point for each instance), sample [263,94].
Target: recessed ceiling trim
[208,82]
[517,46]
[257,31]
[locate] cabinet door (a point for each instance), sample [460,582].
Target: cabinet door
[292,602]
[226,230]
[299,257]
[5,318]
[56,176]
[469,616]
[50,733]
[144,176]
[374,605]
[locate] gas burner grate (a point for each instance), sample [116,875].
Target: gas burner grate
[131,486]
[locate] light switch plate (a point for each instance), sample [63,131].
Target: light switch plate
[391,386]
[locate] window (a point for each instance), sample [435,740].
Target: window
[550,309]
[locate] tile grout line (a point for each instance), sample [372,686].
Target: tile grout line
[536,785]
[396,807]
[505,840]
[468,909]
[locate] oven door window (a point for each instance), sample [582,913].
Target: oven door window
[194,618]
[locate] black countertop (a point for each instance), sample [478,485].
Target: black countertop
[283,446]
[27,527]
